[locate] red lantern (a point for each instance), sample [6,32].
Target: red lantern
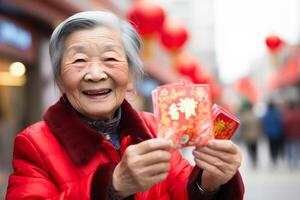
[201,76]
[185,64]
[188,66]
[273,43]
[173,35]
[146,16]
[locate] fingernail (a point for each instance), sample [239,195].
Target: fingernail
[211,144]
[195,152]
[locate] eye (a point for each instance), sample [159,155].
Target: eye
[110,59]
[79,60]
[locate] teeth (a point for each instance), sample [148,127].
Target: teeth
[96,92]
[104,91]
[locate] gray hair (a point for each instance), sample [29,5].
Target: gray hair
[88,20]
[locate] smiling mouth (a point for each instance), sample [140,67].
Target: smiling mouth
[96,92]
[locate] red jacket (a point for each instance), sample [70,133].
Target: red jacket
[63,158]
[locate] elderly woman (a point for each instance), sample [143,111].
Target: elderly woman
[93,145]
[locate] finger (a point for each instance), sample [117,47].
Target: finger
[152,145]
[156,169]
[224,156]
[208,167]
[150,175]
[156,156]
[223,145]
[212,160]
[157,178]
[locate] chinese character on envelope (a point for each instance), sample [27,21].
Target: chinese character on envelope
[225,124]
[184,113]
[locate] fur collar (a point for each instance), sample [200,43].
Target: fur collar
[80,141]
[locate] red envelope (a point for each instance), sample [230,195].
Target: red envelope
[225,123]
[184,113]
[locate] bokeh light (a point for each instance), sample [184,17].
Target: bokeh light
[17,69]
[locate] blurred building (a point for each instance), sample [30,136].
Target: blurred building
[26,81]
[25,28]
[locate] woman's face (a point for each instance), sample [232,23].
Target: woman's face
[94,72]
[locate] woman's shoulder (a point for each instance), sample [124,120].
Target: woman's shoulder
[38,134]
[37,128]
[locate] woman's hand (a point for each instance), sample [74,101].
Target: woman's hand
[220,160]
[142,166]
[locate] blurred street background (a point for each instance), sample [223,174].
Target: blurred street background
[248,51]
[266,181]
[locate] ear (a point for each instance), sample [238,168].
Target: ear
[60,85]
[130,91]
[130,84]
[130,87]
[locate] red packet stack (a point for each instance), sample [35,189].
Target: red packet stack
[225,124]
[184,113]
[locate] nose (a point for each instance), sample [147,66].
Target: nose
[95,72]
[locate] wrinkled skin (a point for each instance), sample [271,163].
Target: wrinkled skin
[94,62]
[142,166]
[220,160]
[147,163]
